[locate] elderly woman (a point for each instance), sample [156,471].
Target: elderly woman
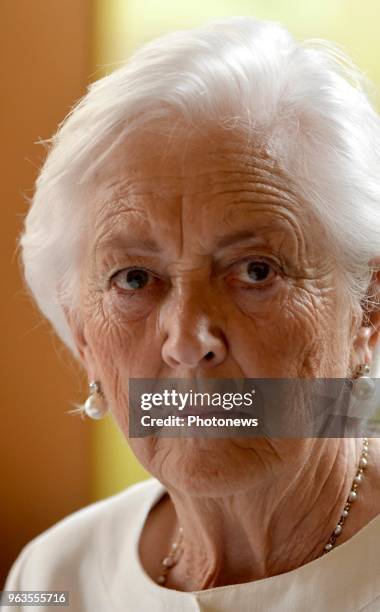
[211,210]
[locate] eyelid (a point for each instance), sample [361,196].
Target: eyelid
[264,285]
[262,258]
[137,267]
[125,270]
[151,273]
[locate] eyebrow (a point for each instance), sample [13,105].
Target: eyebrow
[239,236]
[129,243]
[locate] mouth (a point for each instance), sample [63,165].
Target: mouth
[204,413]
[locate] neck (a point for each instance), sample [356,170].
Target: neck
[275,526]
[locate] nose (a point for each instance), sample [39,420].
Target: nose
[193,337]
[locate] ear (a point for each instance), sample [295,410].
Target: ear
[368,334]
[84,351]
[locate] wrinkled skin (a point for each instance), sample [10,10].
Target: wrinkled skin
[195,210]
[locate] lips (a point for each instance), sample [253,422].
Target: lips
[200,412]
[204,413]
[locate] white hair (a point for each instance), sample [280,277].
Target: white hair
[306,101]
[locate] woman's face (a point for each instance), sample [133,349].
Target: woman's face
[223,257]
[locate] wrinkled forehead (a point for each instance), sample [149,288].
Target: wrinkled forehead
[182,162]
[190,192]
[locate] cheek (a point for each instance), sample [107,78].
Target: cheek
[279,331]
[315,320]
[121,349]
[122,334]
[133,306]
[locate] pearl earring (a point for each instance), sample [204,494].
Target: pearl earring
[95,405]
[363,386]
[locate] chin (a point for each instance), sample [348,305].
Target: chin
[203,466]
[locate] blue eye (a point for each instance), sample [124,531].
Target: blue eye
[258,270]
[254,273]
[133,278]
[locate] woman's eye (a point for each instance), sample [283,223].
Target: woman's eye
[255,272]
[132,279]
[258,270]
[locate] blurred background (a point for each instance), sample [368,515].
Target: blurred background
[52,463]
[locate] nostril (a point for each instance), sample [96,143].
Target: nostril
[209,355]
